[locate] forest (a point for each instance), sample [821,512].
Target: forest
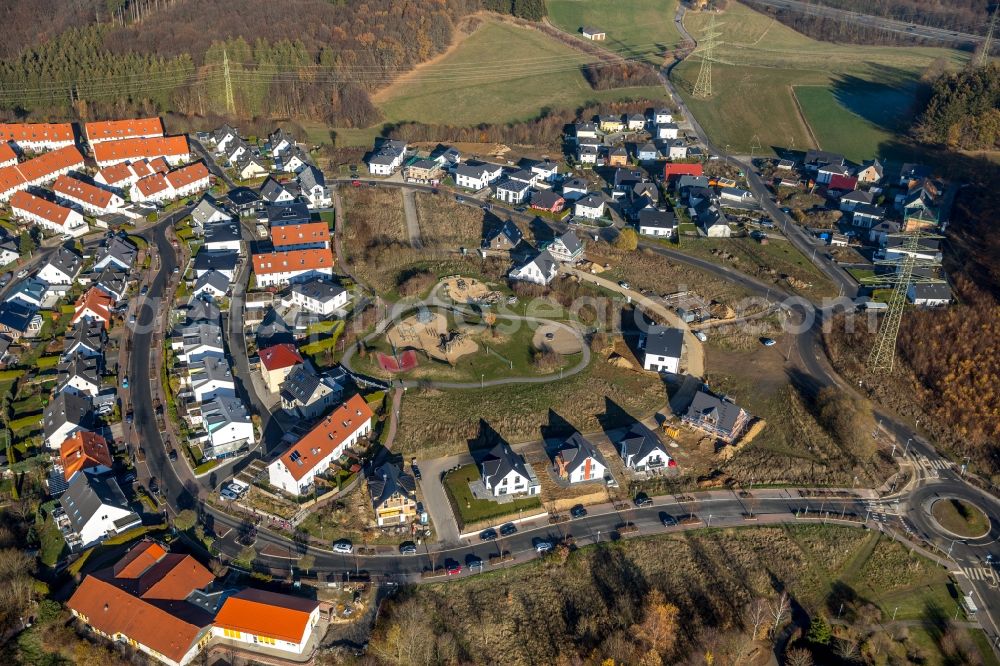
[91,62]
[964,110]
[959,15]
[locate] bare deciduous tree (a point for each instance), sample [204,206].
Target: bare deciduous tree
[779,610]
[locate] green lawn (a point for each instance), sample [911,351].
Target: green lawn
[500,73]
[960,517]
[760,62]
[636,29]
[470,510]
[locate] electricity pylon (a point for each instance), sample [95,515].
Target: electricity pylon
[984,53]
[230,102]
[883,353]
[703,86]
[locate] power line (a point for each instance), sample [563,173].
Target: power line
[984,54]
[703,85]
[230,102]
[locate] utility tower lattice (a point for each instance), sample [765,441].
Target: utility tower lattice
[703,86]
[883,354]
[230,102]
[984,53]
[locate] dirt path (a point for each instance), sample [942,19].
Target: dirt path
[412,222]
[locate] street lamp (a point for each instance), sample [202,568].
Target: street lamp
[907,448]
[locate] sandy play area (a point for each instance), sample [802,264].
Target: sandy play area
[429,333]
[468,291]
[557,338]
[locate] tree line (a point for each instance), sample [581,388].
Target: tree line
[964,110]
[340,53]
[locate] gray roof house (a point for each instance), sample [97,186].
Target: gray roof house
[577,460]
[721,418]
[642,450]
[272,191]
[566,247]
[117,252]
[96,508]
[653,222]
[505,472]
[541,269]
[393,494]
[113,282]
[202,310]
[80,374]
[66,414]
[228,424]
[224,262]
[503,237]
[274,330]
[208,211]
[311,395]
[214,284]
[86,337]
[662,349]
[62,267]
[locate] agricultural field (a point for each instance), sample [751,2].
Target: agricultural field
[760,62]
[636,29]
[590,601]
[499,73]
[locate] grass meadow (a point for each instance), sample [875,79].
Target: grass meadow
[635,29]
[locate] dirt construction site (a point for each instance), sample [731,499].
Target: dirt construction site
[558,339]
[429,333]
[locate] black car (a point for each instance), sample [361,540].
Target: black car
[416,472]
[172,455]
[667,520]
[488,535]
[578,511]
[407,548]
[154,487]
[643,500]
[508,529]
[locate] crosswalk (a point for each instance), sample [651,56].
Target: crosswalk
[980,573]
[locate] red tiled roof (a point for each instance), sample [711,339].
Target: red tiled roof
[151,185]
[30,132]
[279,356]
[291,261]
[82,451]
[81,191]
[115,173]
[186,175]
[43,207]
[7,152]
[261,613]
[174,576]
[326,436]
[109,130]
[671,169]
[137,560]
[95,300]
[128,149]
[39,167]
[300,234]
[143,168]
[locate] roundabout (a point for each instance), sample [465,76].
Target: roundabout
[960,518]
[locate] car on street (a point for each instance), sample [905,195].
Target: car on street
[624,285]
[454,568]
[144,290]
[128,478]
[508,529]
[23,273]
[667,519]
[786,210]
[578,511]
[125,378]
[407,548]
[768,342]
[701,336]
[129,417]
[343,546]
[172,455]
[643,500]
[543,546]
[474,563]
[154,487]
[416,472]
[177,269]
[488,535]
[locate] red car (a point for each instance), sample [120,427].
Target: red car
[454,569]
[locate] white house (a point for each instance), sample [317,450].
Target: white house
[594,34]
[279,622]
[642,451]
[96,508]
[735,195]
[209,211]
[294,471]
[196,341]
[222,137]
[387,157]
[587,154]
[229,427]
[30,291]
[577,460]
[930,294]
[249,167]
[662,117]
[506,473]
[541,269]
[66,414]
[546,170]
[852,200]
[272,269]
[91,199]
[667,131]
[677,149]
[320,296]
[62,267]
[662,348]
[209,378]
[8,252]
[513,191]
[590,207]
[38,136]
[658,223]
[49,216]
[477,175]
[574,189]
[116,253]
[312,183]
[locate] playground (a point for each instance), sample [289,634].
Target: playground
[430,332]
[469,291]
[557,338]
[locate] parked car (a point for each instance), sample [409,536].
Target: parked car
[144,290]
[643,500]
[23,273]
[343,546]
[154,487]
[508,529]
[172,455]
[488,535]
[474,563]
[624,285]
[125,378]
[578,511]
[454,568]
[128,478]
[542,547]
[227,494]
[667,520]
[407,548]
[768,342]
[416,472]
[701,336]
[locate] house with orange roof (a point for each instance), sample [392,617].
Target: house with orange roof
[94,305]
[158,602]
[275,364]
[277,621]
[279,268]
[49,216]
[160,187]
[38,136]
[174,149]
[295,470]
[85,450]
[310,235]
[91,198]
[116,130]
[8,156]
[154,188]
[38,171]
